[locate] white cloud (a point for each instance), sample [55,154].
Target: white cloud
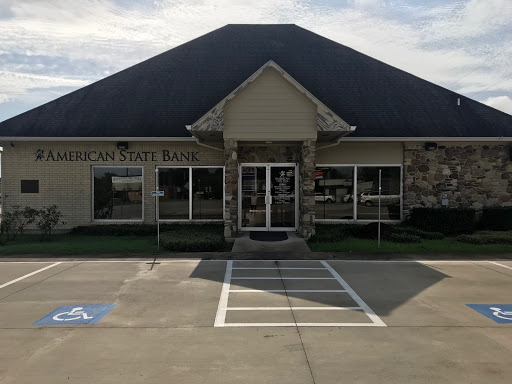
[503,103]
[4,98]
[431,43]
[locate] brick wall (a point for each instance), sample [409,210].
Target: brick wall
[68,183]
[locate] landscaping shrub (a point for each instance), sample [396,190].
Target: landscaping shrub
[400,229]
[333,233]
[47,220]
[142,229]
[449,221]
[193,241]
[496,219]
[404,238]
[14,222]
[487,237]
[370,231]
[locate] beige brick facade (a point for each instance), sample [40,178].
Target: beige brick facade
[68,183]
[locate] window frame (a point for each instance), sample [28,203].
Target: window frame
[190,194]
[354,207]
[141,220]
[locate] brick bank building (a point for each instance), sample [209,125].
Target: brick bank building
[262,127]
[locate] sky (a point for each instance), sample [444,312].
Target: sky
[51,47]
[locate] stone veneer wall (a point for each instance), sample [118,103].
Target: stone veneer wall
[231,191]
[307,189]
[472,175]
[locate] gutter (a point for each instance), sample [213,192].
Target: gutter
[189,128]
[352,129]
[29,138]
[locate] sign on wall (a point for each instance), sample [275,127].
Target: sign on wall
[122,155]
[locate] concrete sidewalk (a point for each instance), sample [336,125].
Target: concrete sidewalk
[293,244]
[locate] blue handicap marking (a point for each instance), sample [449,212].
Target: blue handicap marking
[500,313]
[76,314]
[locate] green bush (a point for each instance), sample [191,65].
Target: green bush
[333,233]
[193,241]
[401,229]
[496,219]
[449,221]
[487,237]
[404,238]
[142,229]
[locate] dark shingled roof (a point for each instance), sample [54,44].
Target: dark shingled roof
[159,96]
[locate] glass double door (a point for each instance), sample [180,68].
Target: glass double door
[268,197]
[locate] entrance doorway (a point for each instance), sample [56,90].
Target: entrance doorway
[268,197]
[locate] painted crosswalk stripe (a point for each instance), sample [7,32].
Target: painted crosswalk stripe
[220,320]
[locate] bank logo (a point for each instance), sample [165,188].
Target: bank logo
[39,154]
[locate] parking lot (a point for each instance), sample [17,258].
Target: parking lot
[193,321]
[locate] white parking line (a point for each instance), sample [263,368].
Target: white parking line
[287,290]
[501,265]
[28,275]
[275,268]
[283,278]
[220,319]
[374,318]
[293,308]
[299,325]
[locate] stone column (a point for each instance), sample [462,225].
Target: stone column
[307,189]
[231,191]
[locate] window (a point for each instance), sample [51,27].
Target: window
[117,193]
[175,184]
[335,186]
[368,193]
[29,186]
[208,193]
[191,193]
[334,193]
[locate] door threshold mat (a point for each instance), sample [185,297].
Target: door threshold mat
[268,236]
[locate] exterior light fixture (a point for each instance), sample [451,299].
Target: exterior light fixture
[122,145]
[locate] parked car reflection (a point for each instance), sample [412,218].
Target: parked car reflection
[372,198]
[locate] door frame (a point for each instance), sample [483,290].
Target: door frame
[268,227]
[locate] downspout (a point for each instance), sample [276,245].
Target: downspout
[352,129]
[189,128]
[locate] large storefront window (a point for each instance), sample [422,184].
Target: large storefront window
[368,193]
[334,192]
[208,193]
[117,193]
[175,184]
[191,193]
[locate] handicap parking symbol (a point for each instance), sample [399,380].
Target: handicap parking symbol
[76,314]
[500,313]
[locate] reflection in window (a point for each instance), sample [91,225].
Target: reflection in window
[117,193]
[334,192]
[175,184]
[207,189]
[368,193]
[207,192]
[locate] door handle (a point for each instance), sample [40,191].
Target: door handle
[268,199]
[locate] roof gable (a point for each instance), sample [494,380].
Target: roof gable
[327,120]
